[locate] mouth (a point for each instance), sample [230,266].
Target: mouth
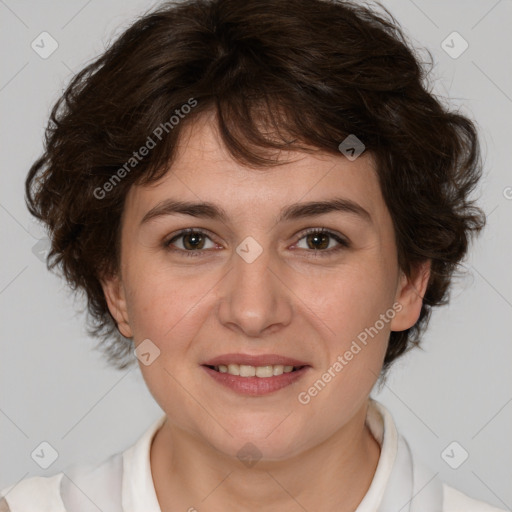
[255,375]
[262,372]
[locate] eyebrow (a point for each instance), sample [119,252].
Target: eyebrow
[296,211]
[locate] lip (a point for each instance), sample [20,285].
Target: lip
[254,360]
[256,386]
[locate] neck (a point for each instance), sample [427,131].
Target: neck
[332,476]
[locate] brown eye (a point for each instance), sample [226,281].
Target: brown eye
[318,240]
[323,241]
[192,240]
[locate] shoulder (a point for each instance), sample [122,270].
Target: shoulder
[456,501]
[73,489]
[79,485]
[36,493]
[426,490]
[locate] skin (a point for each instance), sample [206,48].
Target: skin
[289,301]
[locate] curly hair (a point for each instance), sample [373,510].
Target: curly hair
[298,74]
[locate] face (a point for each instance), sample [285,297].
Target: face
[261,281]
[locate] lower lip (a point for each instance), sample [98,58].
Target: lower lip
[256,386]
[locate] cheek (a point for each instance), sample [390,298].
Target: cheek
[350,305]
[355,346]
[167,310]
[155,301]
[167,306]
[351,298]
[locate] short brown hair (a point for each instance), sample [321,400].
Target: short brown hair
[293,74]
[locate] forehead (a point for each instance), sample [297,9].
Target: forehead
[203,170]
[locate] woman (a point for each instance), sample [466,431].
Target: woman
[263,201]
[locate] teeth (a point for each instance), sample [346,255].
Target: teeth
[278,369]
[234,369]
[264,371]
[245,370]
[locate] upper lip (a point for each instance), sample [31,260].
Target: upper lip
[251,360]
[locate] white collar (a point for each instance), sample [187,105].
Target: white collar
[138,489]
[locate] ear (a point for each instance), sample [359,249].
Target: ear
[409,294]
[115,296]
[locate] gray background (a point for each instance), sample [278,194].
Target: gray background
[56,389]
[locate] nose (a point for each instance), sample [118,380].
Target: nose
[254,299]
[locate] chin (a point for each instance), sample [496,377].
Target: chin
[263,440]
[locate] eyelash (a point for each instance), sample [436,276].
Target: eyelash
[343,243]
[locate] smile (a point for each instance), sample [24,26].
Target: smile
[255,380]
[263,372]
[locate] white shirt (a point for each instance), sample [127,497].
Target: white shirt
[123,482]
